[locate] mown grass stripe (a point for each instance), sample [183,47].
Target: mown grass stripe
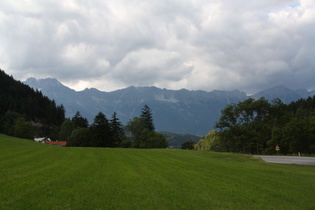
[38,176]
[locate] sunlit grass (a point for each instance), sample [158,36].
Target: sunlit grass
[39,176]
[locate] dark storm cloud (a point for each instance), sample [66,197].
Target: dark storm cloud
[219,44]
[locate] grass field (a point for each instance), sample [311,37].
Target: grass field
[39,176]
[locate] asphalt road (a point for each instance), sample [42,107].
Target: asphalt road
[288,159]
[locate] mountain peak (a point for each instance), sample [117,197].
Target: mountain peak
[49,87]
[179,111]
[32,82]
[35,83]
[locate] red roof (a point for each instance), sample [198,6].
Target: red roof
[57,143]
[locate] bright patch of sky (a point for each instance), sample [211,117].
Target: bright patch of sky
[294,5]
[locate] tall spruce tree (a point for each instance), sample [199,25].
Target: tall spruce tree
[102,135]
[146,114]
[79,121]
[117,130]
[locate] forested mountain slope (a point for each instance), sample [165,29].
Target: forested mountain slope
[19,100]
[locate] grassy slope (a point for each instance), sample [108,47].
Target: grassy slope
[38,176]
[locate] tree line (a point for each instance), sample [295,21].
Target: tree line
[138,133]
[26,113]
[257,126]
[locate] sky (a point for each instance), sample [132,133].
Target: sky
[173,44]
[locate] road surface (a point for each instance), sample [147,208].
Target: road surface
[288,159]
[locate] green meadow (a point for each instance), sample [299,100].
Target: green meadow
[40,176]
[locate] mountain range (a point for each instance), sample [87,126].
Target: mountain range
[178,111]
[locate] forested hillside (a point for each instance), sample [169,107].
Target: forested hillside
[25,112]
[257,126]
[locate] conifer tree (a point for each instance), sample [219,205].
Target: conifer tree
[146,114]
[102,135]
[117,130]
[79,121]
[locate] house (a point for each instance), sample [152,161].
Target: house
[48,141]
[42,139]
[57,143]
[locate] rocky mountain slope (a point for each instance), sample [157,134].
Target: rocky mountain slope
[178,111]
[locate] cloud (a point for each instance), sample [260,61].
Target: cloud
[176,44]
[150,66]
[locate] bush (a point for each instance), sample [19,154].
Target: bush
[188,145]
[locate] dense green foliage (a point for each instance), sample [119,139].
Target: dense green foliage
[40,176]
[21,107]
[110,133]
[211,142]
[66,130]
[257,126]
[142,132]
[80,137]
[188,144]
[23,129]
[79,121]
[102,133]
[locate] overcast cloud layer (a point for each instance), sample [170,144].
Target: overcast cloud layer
[173,44]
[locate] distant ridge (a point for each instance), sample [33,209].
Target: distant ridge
[285,94]
[178,111]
